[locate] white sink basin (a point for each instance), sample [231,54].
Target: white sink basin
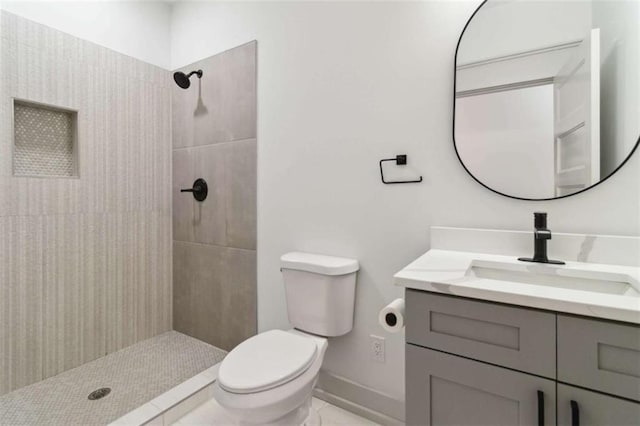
[555,276]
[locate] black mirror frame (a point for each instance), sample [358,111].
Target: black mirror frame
[455,71]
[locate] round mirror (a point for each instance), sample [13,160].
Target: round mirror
[547,94]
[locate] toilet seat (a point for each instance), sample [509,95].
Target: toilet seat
[266,361]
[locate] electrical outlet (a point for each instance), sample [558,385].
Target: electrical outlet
[377,348]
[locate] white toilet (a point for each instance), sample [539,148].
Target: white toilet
[269,378]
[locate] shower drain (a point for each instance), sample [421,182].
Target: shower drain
[99,393]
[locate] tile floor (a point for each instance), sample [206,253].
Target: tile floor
[135,374]
[210,413]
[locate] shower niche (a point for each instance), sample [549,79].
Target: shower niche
[45,140]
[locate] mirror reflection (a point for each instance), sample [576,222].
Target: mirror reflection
[547,99]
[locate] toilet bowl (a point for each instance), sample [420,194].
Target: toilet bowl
[282,394]
[269,378]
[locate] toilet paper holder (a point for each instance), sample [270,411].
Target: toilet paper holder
[391,317]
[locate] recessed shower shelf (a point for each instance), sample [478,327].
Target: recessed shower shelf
[44,140]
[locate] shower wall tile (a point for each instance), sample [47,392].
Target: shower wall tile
[215,293]
[85,263]
[21,308]
[5,304]
[210,216]
[241,188]
[221,106]
[127,160]
[183,203]
[228,216]
[214,138]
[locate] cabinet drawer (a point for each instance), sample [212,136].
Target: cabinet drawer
[594,409]
[599,355]
[521,339]
[447,390]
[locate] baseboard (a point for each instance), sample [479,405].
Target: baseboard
[359,399]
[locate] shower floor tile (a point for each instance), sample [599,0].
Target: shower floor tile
[135,375]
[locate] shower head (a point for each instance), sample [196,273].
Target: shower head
[182,79]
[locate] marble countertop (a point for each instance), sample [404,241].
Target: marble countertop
[596,290]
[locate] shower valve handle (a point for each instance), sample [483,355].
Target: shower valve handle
[199,190]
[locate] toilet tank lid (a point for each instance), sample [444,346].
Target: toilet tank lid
[318,263]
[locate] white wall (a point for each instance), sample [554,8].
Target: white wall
[340,86]
[140,29]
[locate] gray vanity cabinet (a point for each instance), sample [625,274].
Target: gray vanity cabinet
[585,408]
[470,362]
[450,390]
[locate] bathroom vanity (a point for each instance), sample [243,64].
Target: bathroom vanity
[494,341]
[494,334]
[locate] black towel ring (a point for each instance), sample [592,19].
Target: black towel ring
[401,160]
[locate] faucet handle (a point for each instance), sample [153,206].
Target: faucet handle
[540,220]
[199,189]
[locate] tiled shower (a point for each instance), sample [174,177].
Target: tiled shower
[98,248]
[84,259]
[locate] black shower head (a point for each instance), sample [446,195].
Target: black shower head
[182,79]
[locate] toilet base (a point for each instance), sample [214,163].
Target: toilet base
[304,415]
[313,419]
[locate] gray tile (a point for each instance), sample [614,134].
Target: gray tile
[198,280]
[210,215]
[98,271]
[24,350]
[183,287]
[238,93]
[135,375]
[221,106]
[6,249]
[241,194]
[183,203]
[214,285]
[239,313]
[228,216]
[182,116]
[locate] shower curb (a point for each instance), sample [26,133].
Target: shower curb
[174,403]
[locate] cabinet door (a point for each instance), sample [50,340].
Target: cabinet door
[445,389]
[594,409]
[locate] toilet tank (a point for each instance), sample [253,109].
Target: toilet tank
[320,292]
